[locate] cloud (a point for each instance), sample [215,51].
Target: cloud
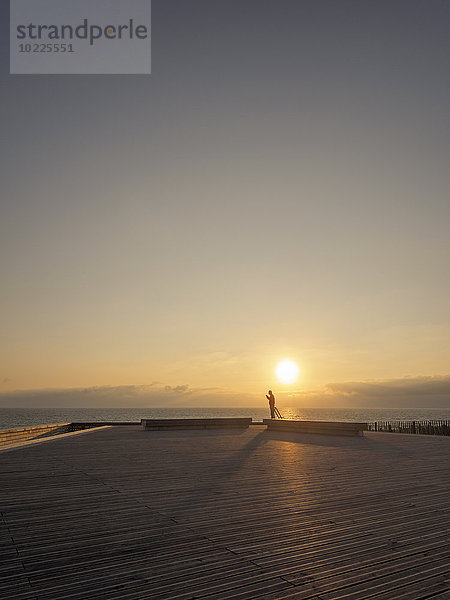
[178,389]
[155,395]
[407,386]
[405,392]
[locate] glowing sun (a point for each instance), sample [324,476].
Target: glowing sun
[287,371]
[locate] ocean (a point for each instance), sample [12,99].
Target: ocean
[31,417]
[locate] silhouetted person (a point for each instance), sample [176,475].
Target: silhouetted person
[271,398]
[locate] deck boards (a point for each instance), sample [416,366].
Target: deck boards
[127,514]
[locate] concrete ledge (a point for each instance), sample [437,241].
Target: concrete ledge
[321,427]
[154,424]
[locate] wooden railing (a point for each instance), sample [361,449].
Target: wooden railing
[25,434]
[13,436]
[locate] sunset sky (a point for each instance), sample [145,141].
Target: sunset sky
[278,187]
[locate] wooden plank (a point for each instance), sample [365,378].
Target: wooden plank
[226,514]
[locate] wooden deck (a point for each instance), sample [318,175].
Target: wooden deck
[127,514]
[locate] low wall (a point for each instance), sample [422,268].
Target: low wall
[76,426]
[154,424]
[321,427]
[13,436]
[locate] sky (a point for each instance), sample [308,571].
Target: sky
[278,187]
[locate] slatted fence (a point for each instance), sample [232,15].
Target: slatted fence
[436,427]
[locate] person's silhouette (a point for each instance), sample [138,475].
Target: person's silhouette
[271,398]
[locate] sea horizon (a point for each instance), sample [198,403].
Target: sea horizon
[11,418]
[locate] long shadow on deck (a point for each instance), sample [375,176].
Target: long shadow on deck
[224,470]
[227,469]
[335,441]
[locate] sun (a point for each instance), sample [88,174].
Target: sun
[287,371]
